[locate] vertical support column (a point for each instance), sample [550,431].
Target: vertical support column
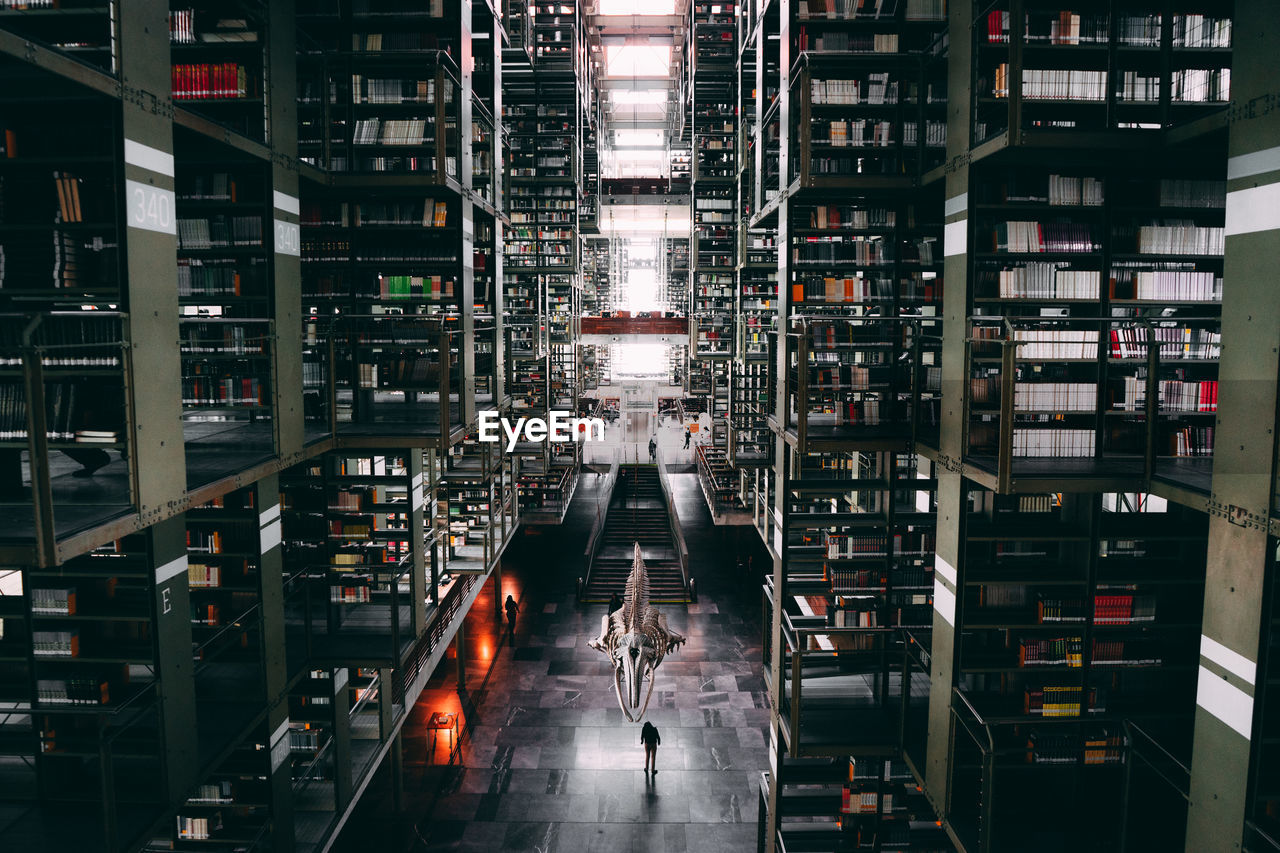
[342,776]
[952,492]
[275,664]
[397,774]
[460,654]
[158,458]
[172,636]
[1245,452]
[418,580]
[282,67]
[497,590]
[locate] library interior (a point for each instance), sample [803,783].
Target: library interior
[542,425]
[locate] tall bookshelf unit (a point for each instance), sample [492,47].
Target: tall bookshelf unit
[210,303]
[547,110]
[838,188]
[713,247]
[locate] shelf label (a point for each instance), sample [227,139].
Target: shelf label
[150,208]
[288,240]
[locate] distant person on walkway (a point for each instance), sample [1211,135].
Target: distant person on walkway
[653,450]
[650,738]
[687,435]
[615,603]
[512,610]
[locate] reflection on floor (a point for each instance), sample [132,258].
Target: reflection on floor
[550,764]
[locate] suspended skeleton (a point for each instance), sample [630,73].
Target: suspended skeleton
[636,639]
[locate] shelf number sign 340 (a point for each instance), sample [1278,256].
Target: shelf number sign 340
[150,208]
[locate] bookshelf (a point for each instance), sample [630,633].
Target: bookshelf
[1091,69]
[230,809]
[59,227]
[376,250]
[1079,618]
[713,244]
[218,64]
[1101,243]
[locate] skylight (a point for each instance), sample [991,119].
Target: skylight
[636,7]
[637,60]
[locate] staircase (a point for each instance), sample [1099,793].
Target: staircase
[637,513]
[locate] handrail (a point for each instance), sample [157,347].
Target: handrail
[956,692]
[673,522]
[597,527]
[1135,734]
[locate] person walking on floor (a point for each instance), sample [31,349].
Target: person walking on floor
[615,603]
[650,738]
[687,435]
[512,610]
[653,450]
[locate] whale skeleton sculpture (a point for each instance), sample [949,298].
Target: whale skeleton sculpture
[636,639]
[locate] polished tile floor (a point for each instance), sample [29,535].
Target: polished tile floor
[550,764]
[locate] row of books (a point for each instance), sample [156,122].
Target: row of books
[1061,443]
[376,131]
[219,231]
[1054,344]
[222,392]
[1069,84]
[1070,28]
[348,594]
[183,29]
[204,575]
[212,81]
[1062,701]
[374,90]
[1102,747]
[877,88]
[865,802]
[1121,652]
[1052,651]
[53,601]
[102,331]
[1191,441]
[1175,342]
[415,286]
[865,412]
[935,133]
[851,289]
[842,248]
[72,691]
[1031,237]
[196,278]
[219,338]
[1200,85]
[1037,280]
[61,644]
[1055,396]
[1179,239]
[1166,285]
[858,133]
[198,828]
[842,41]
